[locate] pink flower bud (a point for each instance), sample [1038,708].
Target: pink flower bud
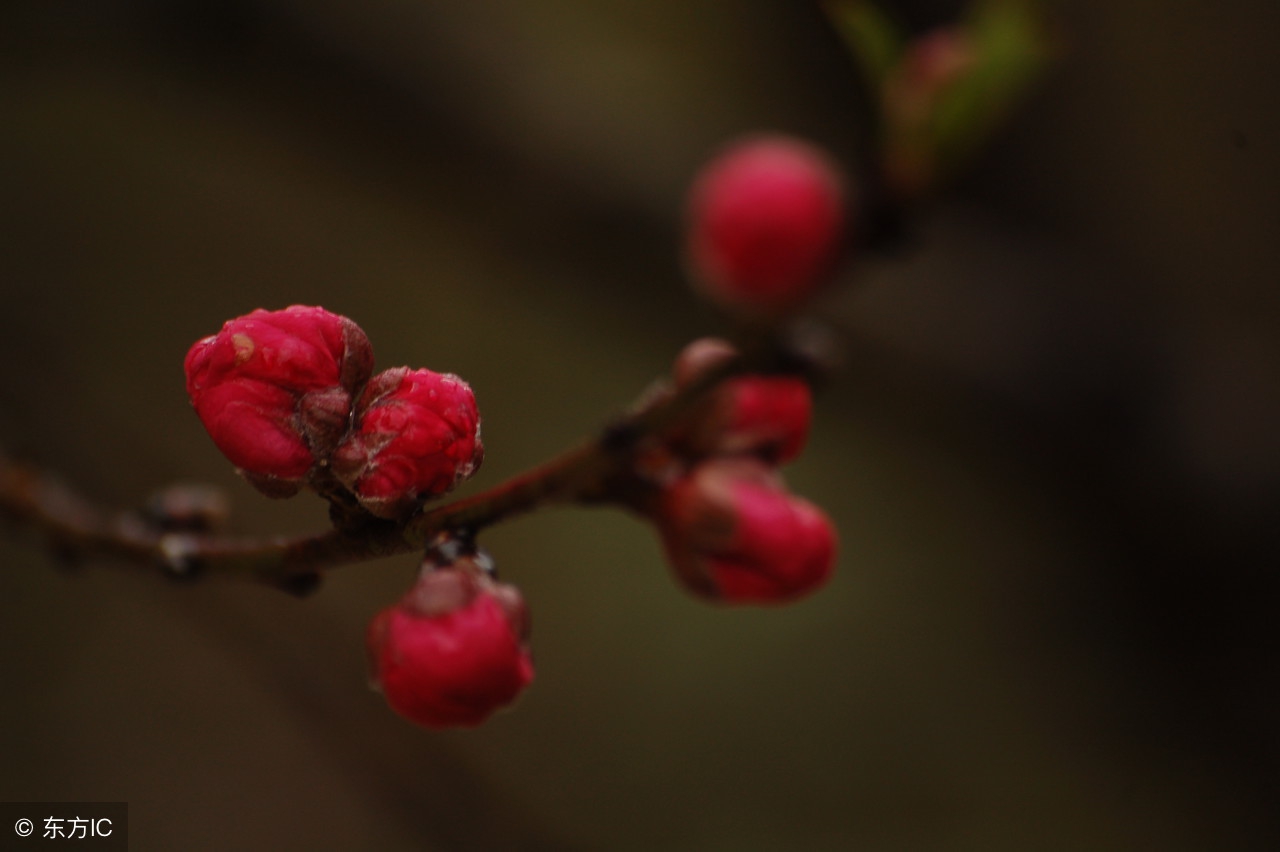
[931,66]
[765,222]
[273,389]
[733,533]
[453,650]
[416,434]
[768,416]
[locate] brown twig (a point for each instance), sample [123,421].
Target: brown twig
[598,471]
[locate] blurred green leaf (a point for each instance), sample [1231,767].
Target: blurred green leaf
[875,41]
[1011,48]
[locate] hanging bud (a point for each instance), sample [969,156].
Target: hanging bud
[733,533]
[765,221]
[273,389]
[416,434]
[768,416]
[454,649]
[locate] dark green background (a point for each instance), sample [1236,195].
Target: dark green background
[1052,455]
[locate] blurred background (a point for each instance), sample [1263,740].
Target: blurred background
[1052,453]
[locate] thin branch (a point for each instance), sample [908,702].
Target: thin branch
[597,471]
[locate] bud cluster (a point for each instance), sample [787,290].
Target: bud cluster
[290,398]
[766,222]
[731,530]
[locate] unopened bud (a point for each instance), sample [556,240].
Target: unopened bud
[768,416]
[766,219]
[273,389]
[453,650]
[416,434]
[733,533]
[930,66]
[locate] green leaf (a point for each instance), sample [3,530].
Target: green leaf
[873,39]
[1011,49]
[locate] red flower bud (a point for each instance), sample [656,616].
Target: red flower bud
[765,221]
[453,650]
[767,416]
[416,435]
[733,533]
[273,389]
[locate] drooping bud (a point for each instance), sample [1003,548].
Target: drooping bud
[453,649]
[765,221]
[768,416]
[733,533]
[416,434]
[273,389]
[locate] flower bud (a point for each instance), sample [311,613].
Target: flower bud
[765,221]
[453,649]
[733,533]
[416,434]
[931,66]
[274,388]
[768,416]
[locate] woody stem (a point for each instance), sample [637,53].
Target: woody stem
[600,470]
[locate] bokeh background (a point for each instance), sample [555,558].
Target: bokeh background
[1052,453]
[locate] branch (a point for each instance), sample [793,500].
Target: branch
[599,471]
